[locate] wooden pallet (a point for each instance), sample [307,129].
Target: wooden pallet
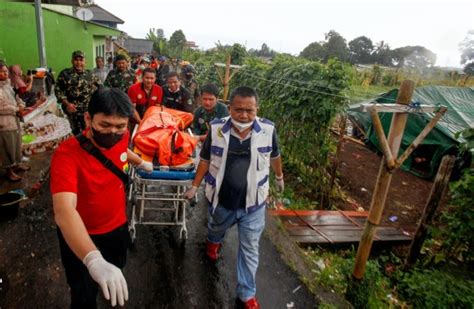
[333,227]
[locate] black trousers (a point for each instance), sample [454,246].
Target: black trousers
[84,289]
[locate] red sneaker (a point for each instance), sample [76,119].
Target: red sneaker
[251,304]
[212,250]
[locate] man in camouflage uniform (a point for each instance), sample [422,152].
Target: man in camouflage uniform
[74,87]
[122,76]
[191,84]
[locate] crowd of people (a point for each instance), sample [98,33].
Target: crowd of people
[88,170]
[148,81]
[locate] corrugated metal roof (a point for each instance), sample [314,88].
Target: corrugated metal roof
[138,46]
[101,14]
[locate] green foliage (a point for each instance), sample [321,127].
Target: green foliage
[436,289]
[360,50]
[159,40]
[177,44]
[334,271]
[265,51]
[238,54]
[458,241]
[302,97]
[314,51]
[334,46]
[413,56]
[456,226]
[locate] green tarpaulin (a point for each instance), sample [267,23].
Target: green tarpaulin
[442,140]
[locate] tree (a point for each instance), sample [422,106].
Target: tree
[360,50]
[414,57]
[266,51]
[158,38]
[314,51]
[382,54]
[177,43]
[467,56]
[335,46]
[238,54]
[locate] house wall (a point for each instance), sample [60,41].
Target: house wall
[63,35]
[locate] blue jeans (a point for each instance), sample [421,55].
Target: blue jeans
[250,228]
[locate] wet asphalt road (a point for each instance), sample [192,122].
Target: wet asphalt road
[164,273]
[161,272]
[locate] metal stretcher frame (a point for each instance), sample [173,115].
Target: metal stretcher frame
[160,196]
[146,199]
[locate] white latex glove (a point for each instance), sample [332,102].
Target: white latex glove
[108,276]
[191,193]
[146,166]
[280,184]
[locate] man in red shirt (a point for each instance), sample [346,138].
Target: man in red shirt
[145,94]
[89,201]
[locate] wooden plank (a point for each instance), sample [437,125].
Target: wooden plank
[293,213]
[396,108]
[232,66]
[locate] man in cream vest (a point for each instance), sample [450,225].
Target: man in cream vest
[235,162]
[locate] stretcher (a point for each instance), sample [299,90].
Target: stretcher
[157,198]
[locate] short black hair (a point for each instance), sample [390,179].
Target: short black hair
[211,89]
[149,70]
[172,74]
[120,57]
[99,57]
[244,92]
[111,102]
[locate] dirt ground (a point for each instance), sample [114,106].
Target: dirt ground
[358,170]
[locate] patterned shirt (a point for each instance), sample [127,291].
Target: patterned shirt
[193,87]
[203,117]
[76,87]
[122,80]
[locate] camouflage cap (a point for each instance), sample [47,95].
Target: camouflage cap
[78,53]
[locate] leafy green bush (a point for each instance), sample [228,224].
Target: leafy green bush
[436,289]
[302,97]
[334,271]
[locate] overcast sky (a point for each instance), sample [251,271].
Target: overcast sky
[289,26]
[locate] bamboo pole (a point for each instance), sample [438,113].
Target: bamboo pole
[382,139]
[436,194]
[383,181]
[226,78]
[419,139]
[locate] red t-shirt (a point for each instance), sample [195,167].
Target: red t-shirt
[100,193]
[138,96]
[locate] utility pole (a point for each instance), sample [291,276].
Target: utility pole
[40,34]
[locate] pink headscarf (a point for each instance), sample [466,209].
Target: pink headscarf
[15,77]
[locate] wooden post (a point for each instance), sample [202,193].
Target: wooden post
[226,78]
[342,129]
[377,124]
[419,139]
[436,194]
[383,181]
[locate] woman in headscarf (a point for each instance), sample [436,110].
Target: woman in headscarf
[10,132]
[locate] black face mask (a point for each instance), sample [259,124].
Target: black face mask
[106,140]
